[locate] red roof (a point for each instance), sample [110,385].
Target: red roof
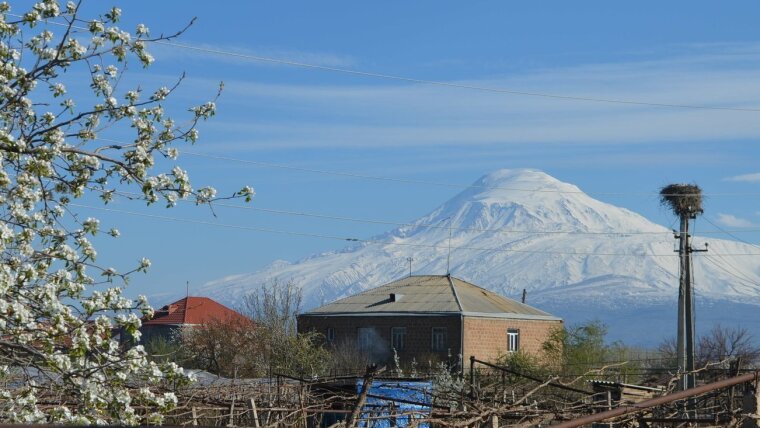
[193,310]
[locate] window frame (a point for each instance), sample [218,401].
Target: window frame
[513,340]
[439,339]
[364,343]
[330,334]
[398,332]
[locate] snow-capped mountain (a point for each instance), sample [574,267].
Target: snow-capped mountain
[577,257]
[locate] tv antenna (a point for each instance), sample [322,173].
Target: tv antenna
[448,258]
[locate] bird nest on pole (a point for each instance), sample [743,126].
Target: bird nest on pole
[683,199]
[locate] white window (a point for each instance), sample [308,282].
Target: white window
[513,340]
[398,338]
[439,341]
[364,336]
[330,336]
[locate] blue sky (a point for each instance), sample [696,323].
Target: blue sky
[695,53]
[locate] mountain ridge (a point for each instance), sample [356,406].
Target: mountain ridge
[524,229]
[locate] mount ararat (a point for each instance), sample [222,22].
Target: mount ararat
[577,257]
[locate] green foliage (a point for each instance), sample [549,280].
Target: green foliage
[300,355]
[522,362]
[581,350]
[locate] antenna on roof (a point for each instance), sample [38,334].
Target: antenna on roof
[187,289]
[448,258]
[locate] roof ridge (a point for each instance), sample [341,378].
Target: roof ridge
[454,290]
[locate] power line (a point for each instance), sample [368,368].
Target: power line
[438,83]
[466,229]
[445,84]
[734,274]
[613,233]
[431,183]
[727,232]
[375,241]
[372,177]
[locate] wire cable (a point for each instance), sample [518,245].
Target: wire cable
[425,182]
[727,232]
[376,241]
[729,272]
[446,84]
[133,195]
[433,183]
[437,83]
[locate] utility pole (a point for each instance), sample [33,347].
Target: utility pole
[686,334]
[686,202]
[410,260]
[685,308]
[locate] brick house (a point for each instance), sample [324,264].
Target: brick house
[187,312]
[431,317]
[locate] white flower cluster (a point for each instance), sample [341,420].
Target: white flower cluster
[59,310]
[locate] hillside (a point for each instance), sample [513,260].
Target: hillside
[577,257]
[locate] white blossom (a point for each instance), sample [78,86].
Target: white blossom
[53,298]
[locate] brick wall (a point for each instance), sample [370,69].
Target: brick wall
[418,334]
[486,338]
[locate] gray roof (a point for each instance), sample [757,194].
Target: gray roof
[430,295]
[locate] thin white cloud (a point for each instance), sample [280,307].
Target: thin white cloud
[236,54]
[381,114]
[733,221]
[748,178]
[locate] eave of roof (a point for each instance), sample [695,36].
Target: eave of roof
[431,295]
[504,315]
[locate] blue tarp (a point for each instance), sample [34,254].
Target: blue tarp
[402,400]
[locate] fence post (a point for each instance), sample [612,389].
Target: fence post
[472,377]
[252,406]
[369,377]
[751,405]
[231,422]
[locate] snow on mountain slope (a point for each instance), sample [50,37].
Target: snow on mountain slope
[590,259]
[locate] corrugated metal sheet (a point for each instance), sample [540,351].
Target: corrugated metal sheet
[421,294]
[477,299]
[402,404]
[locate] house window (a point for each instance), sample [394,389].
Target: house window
[364,336]
[330,336]
[398,338]
[513,340]
[439,341]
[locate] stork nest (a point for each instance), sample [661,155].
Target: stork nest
[683,199]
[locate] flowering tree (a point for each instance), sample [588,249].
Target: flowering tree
[58,308]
